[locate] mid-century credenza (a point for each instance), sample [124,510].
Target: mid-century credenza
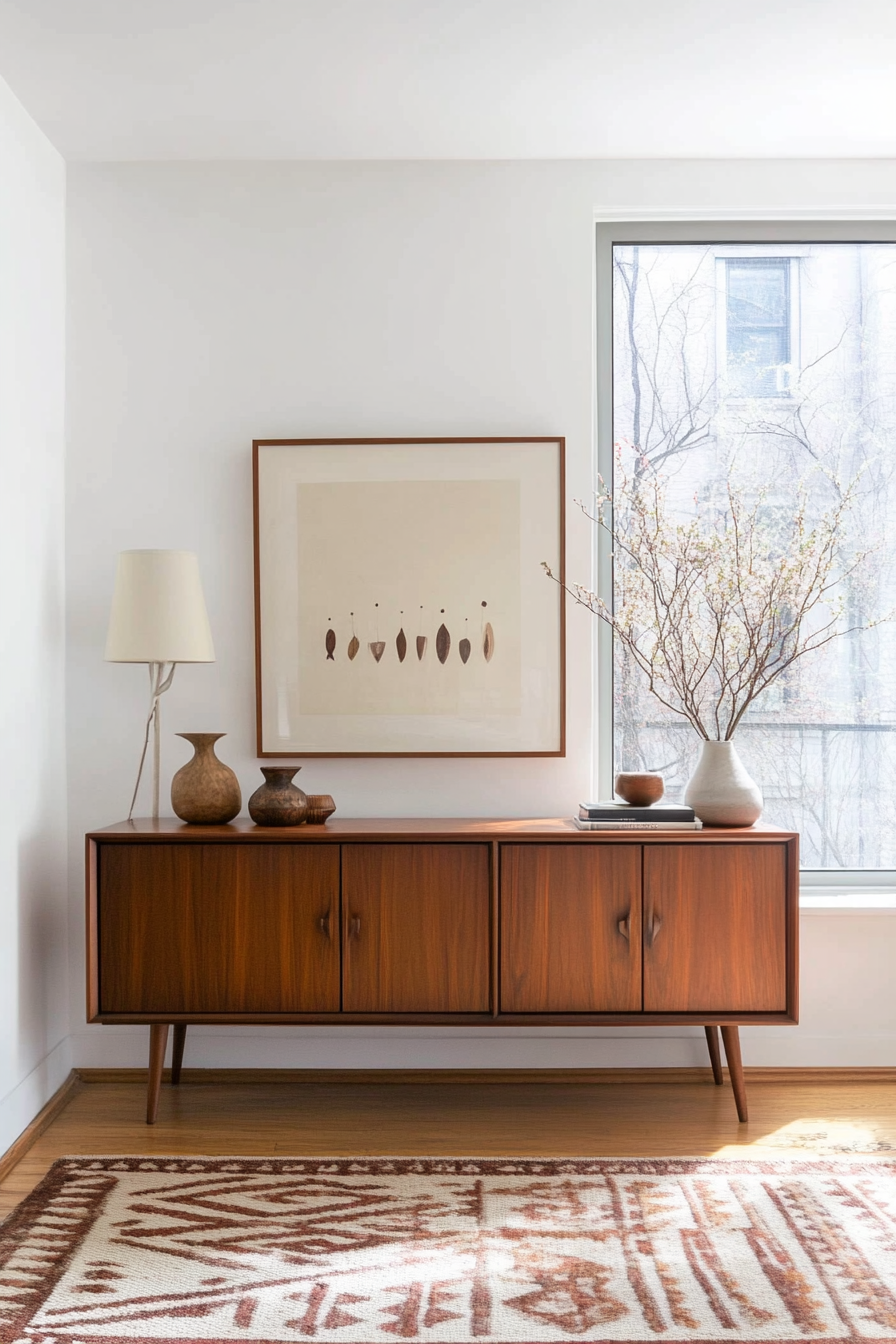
[503,923]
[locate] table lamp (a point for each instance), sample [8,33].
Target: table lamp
[159,618]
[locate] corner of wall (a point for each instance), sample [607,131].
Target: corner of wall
[34,1047]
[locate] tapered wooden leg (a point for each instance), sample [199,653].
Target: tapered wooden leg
[731,1037]
[177,1051]
[158,1040]
[715,1054]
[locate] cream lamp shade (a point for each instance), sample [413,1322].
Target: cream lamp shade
[158,610]
[158,618]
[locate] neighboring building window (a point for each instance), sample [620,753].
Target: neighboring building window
[757,326]
[701,334]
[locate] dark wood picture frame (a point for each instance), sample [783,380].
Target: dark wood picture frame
[557,442]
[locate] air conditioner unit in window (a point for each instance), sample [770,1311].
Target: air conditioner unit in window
[782,377]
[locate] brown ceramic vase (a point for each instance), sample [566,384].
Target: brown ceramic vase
[278,802]
[320,806]
[205,791]
[639,790]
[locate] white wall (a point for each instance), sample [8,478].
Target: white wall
[210,304]
[33,900]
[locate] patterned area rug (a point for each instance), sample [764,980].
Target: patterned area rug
[370,1250]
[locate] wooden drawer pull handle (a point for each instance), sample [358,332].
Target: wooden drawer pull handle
[653,929]
[324,923]
[354,927]
[623,927]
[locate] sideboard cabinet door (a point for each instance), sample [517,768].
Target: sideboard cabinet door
[416,928]
[570,928]
[715,928]
[204,928]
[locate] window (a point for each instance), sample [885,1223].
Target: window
[704,379]
[757,326]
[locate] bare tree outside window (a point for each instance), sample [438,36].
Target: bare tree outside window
[775,369]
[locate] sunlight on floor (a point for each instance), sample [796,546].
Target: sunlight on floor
[812,1136]
[793,1120]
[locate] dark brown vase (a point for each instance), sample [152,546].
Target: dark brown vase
[278,802]
[205,791]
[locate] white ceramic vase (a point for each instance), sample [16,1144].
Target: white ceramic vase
[720,791]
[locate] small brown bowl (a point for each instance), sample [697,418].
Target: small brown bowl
[639,790]
[320,806]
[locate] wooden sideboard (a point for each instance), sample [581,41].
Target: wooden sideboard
[503,923]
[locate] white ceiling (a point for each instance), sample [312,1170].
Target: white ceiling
[384,79]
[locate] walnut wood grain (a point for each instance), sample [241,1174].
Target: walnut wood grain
[715,1055]
[440,921]
[91,921]
[158,1040]
[715,923]
[494,967]
[208,929]
[177,1051]
[415,928]
[355,1019]
[570,929]
[168,830]
[731,1037]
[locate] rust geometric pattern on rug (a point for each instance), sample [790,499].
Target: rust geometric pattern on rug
[373,1251]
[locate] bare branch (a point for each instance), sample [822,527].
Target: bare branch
[714,609]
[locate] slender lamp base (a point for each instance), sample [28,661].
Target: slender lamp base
[159,681]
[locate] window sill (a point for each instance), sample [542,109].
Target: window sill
[847,900]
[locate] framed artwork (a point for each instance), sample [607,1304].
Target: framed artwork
[400,604]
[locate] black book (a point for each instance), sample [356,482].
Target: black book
[658,812]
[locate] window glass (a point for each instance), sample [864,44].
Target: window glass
[757,326]
[774,375]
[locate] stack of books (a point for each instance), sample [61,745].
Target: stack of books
[623,817]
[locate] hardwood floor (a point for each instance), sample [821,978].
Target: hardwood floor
[528,1118]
